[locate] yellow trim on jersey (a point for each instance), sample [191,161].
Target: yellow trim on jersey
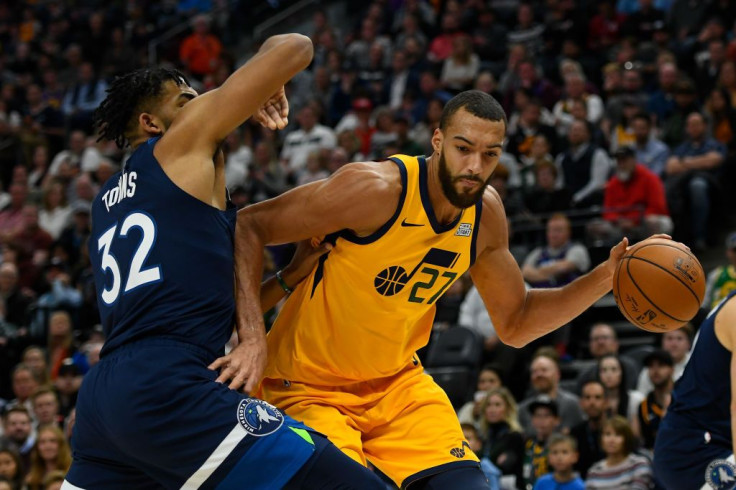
[369,304]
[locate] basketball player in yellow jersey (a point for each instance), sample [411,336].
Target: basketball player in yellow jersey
[341,354]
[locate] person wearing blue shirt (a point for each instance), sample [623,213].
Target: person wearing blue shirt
[562,454]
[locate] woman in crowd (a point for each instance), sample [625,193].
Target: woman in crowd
[54,213]
[503,441]
[50,453]
[620,401]
[11,467]
[621,468]
[488,379]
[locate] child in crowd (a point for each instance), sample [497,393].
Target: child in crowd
[562,453]
[545,419]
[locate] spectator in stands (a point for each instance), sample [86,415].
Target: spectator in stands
[622,468]
[527,31]
[53,480]
[238,157]
[67,386]
[650,151]
[546,196]
[490,39]
[604,341]
[24,384]
[267,177]
[692,175]
[33,242]
[309,137]
[545,380]
[74,236]
[54,214]
[83,97]
[11,467]
[659,365]
[677,343]
[16,300]
[584,166]
[722,119]
[35,358]
[61,295]
[71,157]
[722,279]
[39,168]
[461,67]
[400,80]
[475,443]
[18,432]
[575,90]
[488,378]
[42,123]
[61,344]
[511,197]
[620,400]
[560,261]
[200,51]
[544,419]
[529,126]
[12,218]
[500,430]
[314,170]
[605,28]
[562,455]
[709,68]
[440,48]
[588,433]
[46,407]
[673,128]
[50,453]
[662,101]
[634,203]
[642,22]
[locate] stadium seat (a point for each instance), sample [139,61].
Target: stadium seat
[638,353]
[452,361]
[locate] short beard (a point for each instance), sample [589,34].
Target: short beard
[459,200]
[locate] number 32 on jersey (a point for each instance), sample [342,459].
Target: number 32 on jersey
[137,275]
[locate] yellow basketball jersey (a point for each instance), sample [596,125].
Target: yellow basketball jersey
[369,304]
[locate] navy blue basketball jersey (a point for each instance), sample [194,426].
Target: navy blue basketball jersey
[702,396]
[163,260]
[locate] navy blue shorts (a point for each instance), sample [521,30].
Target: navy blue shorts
[682,455]
[150,415]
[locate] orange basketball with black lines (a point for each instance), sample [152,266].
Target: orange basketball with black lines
[659,285]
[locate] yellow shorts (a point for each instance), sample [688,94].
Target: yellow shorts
[404,425]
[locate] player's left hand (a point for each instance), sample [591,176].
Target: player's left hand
[274,113]
[244,365]
[619,250]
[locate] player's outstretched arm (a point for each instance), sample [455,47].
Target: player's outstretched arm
[206,120]
[360,197]
[518,315]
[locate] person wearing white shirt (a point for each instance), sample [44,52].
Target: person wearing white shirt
[309,137]
[677,343]
[575,90]
[54,213]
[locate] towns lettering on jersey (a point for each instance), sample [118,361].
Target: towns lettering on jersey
[125,188]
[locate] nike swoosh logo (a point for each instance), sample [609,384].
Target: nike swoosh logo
[404,223]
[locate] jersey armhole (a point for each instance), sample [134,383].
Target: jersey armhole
[476,228]
[352,237]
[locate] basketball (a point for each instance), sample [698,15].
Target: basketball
[659,285]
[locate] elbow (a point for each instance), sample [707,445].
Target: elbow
[509,335]
[302,48]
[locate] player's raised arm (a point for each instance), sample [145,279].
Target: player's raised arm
[360,197]
[209,118]
[518,315]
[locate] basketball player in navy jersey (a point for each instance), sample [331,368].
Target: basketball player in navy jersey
[151,414]
[694,447]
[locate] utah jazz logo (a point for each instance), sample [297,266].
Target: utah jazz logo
[258,417]
[459,452]
[391,280]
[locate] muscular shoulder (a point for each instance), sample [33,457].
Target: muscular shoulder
[373,187]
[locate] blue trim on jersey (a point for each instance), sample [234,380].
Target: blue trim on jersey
[427,203]
[438,469]
[476,228]
[352,237]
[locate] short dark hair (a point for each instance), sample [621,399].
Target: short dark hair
[558,438]
[127,96]
[478,103]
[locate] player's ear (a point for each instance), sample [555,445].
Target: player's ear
[437,138]
[150,124]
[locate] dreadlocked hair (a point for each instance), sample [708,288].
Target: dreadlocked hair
[129,95]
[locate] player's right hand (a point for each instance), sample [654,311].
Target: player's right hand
[243,367]
[274,113]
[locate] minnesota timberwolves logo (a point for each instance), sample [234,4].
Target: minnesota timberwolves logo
[721,475]
[258,417]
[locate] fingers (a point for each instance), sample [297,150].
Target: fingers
[220,361]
